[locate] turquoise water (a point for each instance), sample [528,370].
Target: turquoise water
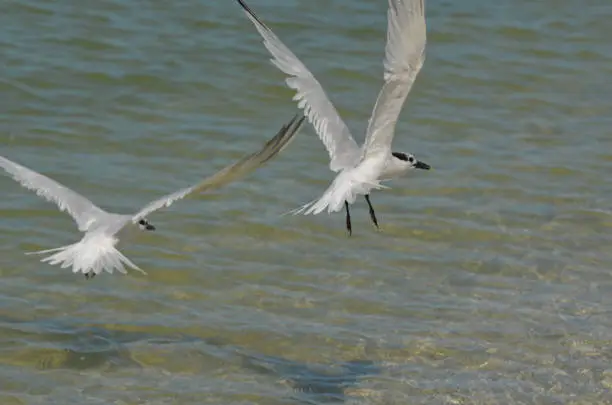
[489,282]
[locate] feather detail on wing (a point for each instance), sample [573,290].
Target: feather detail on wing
[333,132]
[404,58]
[232,172]
[83,211]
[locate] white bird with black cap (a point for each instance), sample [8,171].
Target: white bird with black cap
[96,251]
[361,169]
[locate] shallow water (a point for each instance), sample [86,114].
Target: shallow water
[489,283]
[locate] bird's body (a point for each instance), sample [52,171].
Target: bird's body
[347,185]
[96,251]
[360,168]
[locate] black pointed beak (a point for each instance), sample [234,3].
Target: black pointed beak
[422,165]
[149,227]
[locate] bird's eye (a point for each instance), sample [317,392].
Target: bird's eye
[410,159]
[142,222]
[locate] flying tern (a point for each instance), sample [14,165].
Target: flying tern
[361,169]
[96,251]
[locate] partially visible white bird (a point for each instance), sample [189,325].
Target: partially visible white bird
[96,252]
[361,169]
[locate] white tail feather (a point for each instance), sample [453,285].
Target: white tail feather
[345,187]
[299,210]
[94,253]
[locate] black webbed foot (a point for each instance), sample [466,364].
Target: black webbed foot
[349,228]
[372,213]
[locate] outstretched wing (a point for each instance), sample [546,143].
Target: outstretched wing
[404,58]
[342,148]
[230,173]
[80,208]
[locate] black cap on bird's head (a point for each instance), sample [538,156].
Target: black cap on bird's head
[145,225]
[417,164]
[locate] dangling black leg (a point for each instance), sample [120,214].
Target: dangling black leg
[89,275]
[348,219]
[372,213]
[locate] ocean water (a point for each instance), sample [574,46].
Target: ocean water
[489,282]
